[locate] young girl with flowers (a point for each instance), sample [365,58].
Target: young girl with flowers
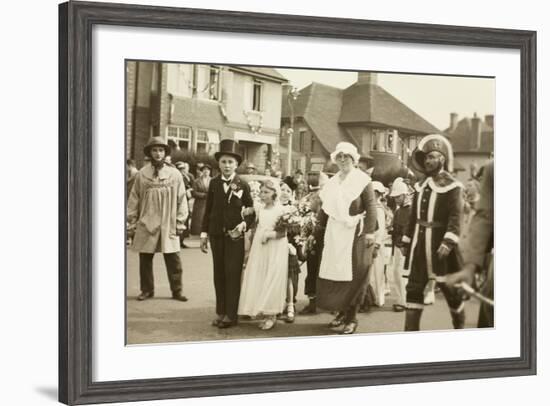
[265,276]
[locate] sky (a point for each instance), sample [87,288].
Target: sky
[432,97]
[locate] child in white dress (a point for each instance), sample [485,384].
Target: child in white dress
[376,277]
[264,283]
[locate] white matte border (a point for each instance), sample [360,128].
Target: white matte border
[113,361]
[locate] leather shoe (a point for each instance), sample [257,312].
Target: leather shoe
[350,328]
[338,321]
[227,323]
[179,296]
[145,296]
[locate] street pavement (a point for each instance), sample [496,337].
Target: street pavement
[163,320]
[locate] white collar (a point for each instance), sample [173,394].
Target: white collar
[230,178]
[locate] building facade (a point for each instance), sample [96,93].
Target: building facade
[365,114]
[194,106]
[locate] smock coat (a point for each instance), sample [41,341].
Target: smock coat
[157,208]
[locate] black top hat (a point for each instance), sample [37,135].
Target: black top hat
[229,147]
[155,142]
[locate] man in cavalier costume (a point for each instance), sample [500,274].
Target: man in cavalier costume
[431,241]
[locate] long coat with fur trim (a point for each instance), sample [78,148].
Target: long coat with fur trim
[436,218]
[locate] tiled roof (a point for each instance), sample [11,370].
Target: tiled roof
[370,103]
[319,105]
[461,137]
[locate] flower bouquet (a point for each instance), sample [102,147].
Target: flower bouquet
[290,221]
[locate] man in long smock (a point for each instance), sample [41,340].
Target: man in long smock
[157,211]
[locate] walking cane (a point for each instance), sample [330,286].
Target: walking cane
[469,290]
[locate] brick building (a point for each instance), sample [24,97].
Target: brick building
[364,114]
[194,106]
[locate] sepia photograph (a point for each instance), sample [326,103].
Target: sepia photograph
[277,202]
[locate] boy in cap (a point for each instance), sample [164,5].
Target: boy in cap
[224,226]
[157,211]
[400,194]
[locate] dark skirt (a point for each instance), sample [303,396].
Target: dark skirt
[338,295]
[196,217]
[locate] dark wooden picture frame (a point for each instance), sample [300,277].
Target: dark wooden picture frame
[76,20]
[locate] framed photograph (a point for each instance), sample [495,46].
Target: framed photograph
[318,188]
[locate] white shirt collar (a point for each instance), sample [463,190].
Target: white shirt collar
[230,178]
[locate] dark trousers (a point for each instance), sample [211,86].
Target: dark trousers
[313,263]
[418,279]
[173,268]
[228,257]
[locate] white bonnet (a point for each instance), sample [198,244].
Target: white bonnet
[346,148]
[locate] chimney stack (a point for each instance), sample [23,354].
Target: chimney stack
[370,78]
[490,120]
[454,122]
[476,132]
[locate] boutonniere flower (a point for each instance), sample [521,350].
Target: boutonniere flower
[235,190]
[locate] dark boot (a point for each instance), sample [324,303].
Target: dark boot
[459,319]
[412,319]
[311,308]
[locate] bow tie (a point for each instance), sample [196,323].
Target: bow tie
[227,182]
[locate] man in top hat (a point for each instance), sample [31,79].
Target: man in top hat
[434,229]
[156,215]
[224,226]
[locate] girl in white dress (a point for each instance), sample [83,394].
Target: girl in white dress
[264,283]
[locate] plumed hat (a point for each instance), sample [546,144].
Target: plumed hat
[430,143]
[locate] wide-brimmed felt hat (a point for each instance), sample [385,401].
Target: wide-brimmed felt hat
[231,148]
[431,143]
[155,142]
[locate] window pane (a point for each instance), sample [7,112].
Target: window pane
[172,132]
[184,133]
[202,136]
[202,147]
[214,77]
[184,145]
[256,97]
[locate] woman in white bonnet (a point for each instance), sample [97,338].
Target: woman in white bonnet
[347,220]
